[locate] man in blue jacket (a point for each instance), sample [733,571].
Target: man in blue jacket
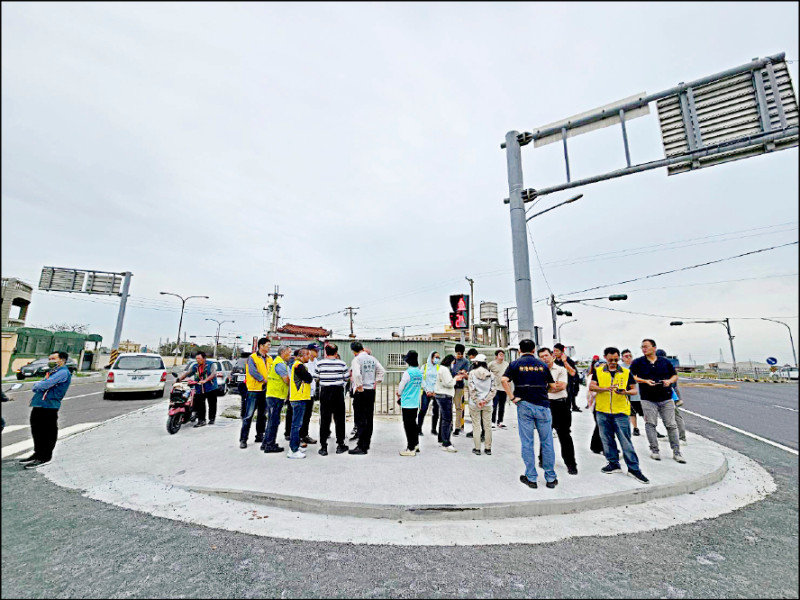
[46,401]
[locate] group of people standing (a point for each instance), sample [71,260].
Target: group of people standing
[542,385]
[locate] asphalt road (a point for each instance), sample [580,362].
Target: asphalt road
[83,404]
[768,410]
[56,543]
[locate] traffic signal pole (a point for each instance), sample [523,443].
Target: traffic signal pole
[519,240]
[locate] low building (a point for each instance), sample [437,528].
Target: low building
[16,299]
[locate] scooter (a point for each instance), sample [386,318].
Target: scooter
[181,401]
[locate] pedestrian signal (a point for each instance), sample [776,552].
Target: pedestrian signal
[459,318]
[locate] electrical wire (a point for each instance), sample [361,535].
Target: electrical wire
[687,268]
[538,260]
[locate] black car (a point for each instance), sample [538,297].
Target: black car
[237,375]
[41,367]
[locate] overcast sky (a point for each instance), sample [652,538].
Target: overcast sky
[350,153]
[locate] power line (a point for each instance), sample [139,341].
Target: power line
[710,262]
[632,312]
[538,260]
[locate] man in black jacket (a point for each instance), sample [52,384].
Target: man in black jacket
[573,382]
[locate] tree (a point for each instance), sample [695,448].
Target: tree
[73,327]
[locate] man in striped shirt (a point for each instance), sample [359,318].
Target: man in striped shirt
[332,375]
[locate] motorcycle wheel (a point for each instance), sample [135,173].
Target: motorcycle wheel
[174,423]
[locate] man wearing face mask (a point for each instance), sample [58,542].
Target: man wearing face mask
[46,402]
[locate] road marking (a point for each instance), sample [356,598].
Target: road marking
[13,428]
[742,431]
[784,407]
[20,447]
[82,395]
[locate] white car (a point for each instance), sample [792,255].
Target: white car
[136,372]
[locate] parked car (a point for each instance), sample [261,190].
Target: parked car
[237,375]
[786,373]
[40,367]
[224,368]
[136,372]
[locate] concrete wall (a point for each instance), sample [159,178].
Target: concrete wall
[9,342]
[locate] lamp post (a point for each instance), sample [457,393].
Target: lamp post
[180,322]
[791,339]
[556,311]
[564,323]
[216,338]
[726,323]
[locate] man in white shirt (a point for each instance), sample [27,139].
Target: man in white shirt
[366,374]
[561,410]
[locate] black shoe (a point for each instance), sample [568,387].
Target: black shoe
[309,440]
[572,470]
[36,463]
[639,476]
[242,445]
[323,451]
[357,450]
[457,432]
[200,424]
[287,437]
[259,439]
[273,449]
[609,468]
[528,482]
[28,459]
[476,451]
[341,449]
[576,409]
[419,433]
[636,431]
[469,435]
[211,421]
[483,437]
[434,432]
[488,451]
[551,484]
[660,436]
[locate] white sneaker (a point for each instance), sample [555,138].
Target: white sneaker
[678,458]
[408,452]
[297,454]
[655,456]
[683,442]
[450,448]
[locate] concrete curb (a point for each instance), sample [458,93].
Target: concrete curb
[500,510]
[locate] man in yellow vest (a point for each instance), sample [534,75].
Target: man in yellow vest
[277,394]
[299,393]
[256,371]
[613,385]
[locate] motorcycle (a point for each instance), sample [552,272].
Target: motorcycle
[181,401]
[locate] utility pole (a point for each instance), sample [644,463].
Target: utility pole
[216,337]
[180,322]
[519,239]
[733,354]
[791,339]
[123,302]
[275,309]
[350,309]
[471,307]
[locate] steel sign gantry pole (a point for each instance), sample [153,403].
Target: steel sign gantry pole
[519,242]
[123,302]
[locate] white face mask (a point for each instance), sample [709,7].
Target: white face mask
[436,361]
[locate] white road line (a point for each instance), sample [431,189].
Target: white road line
[20,447]
[13,428]
[784,407]
[82,395]
[742,431]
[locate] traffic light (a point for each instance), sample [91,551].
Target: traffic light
[565,313]
[459,318]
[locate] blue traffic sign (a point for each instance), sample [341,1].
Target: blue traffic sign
[772,361]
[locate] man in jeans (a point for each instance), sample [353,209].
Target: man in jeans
[46,402]
[560,410]
[299,394]
[613,386]
[532,381]
[277,394]
[256,372]
[655,376]
[460,366]
[366,374]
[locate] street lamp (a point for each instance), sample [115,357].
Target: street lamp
[180,322]
[791,339]
[564,323]
[571,200]
[216,338]
[726,323]
[556,311]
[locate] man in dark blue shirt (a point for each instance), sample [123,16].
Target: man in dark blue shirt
[46,402]
[532,381]
[460,365]
[655,376]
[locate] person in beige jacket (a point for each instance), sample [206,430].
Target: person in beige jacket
[482,389]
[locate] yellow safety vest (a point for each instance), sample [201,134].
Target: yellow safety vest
[276,386]
[303,392]
[263,365]
[611,402]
